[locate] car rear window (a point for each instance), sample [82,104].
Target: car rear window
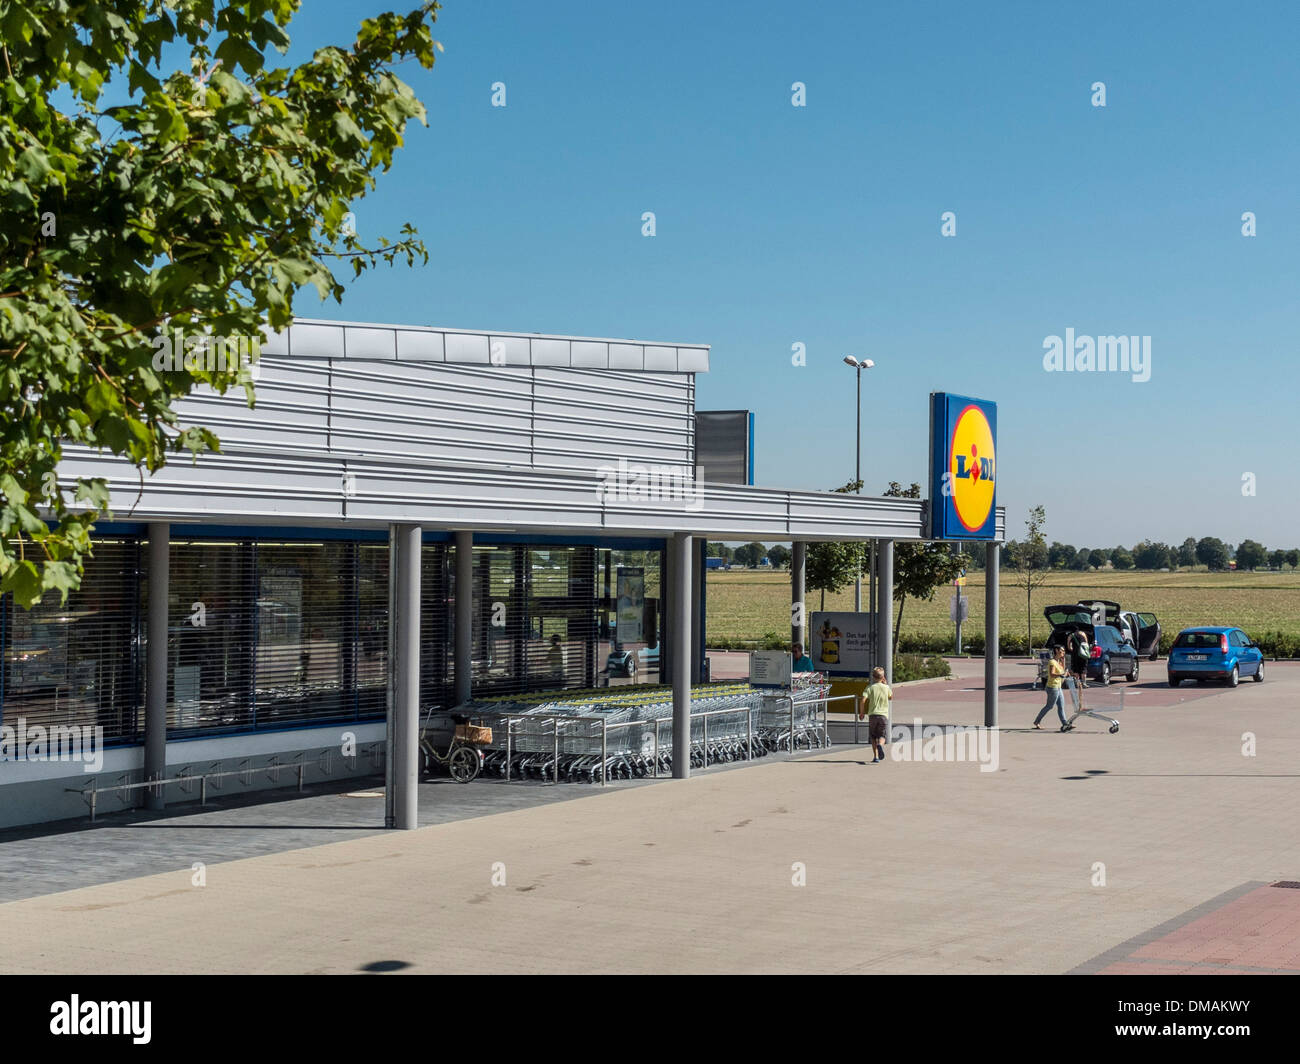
[1198,639]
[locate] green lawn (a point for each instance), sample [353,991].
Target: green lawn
[744,605]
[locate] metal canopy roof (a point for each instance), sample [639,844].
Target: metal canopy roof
[321,339]
[372,492]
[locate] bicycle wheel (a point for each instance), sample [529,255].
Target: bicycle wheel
[464,764]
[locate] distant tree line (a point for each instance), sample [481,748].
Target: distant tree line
[1149,555]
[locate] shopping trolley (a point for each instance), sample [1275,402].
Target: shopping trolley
[1093,711]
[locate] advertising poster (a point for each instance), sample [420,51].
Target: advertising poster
[841,643]
[631,604]
[280,609]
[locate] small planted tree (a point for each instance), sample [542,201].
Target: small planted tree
[920,569]
[1029,564]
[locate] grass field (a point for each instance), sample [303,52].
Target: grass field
[744,605]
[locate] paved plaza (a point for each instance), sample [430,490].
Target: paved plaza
[1154,849]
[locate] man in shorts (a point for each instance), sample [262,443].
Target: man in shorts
[878,697]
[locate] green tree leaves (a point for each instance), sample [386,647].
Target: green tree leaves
[200,201]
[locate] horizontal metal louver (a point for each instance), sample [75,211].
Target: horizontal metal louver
[534,619]
[436,677]
[264,634]
[211,626]
[306,629]
[76,663]
[273,634]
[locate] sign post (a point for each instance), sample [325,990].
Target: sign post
[959,610]
[963,506]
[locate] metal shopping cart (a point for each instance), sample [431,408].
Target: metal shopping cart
[1093,710]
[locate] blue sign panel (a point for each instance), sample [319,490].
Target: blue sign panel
[963,467]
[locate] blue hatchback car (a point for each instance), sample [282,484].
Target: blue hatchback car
[1214,653]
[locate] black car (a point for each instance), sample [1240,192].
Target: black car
[1111,654]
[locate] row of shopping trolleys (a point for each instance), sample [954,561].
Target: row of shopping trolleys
[594,739]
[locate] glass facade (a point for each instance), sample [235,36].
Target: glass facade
[273,633]
[80,662]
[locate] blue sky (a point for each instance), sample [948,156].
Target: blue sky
[821,225]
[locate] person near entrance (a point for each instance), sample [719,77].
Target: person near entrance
[555,660]
[1080,653]
[879,695]
[1055,697]
[802,662]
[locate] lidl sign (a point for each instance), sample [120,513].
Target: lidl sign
[963,467]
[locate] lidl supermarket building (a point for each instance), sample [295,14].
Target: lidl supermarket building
[405,520]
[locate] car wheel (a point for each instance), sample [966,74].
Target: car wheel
[1233,677]
[1174,681]
[1105,674]
[1259,673]
[1133,674]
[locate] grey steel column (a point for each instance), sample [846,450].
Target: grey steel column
[697,610]
[406,671]
[871,580]
[462,647]
[155,702]
[680,623]
[667,588]
[991,643]
[798,561]
[885,617]
[390,678]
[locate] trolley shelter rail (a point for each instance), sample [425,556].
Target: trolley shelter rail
[91,794]
[594,742]
[623,739]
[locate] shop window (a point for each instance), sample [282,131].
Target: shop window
[75,663]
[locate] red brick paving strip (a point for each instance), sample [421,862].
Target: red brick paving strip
[1254,930]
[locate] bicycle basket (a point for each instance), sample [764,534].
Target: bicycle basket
[473,733]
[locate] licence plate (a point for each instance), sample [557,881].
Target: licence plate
[1197,657]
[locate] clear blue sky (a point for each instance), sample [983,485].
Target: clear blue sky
[821,225]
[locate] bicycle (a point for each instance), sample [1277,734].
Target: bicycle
[463,759]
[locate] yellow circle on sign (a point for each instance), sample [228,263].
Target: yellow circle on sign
[972,459]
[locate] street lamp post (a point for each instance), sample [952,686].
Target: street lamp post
[859,365]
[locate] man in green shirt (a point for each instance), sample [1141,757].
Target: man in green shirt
[878,698]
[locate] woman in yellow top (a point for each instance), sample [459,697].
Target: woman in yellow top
[1055,697]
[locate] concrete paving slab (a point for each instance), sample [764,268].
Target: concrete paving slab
[1076,844]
